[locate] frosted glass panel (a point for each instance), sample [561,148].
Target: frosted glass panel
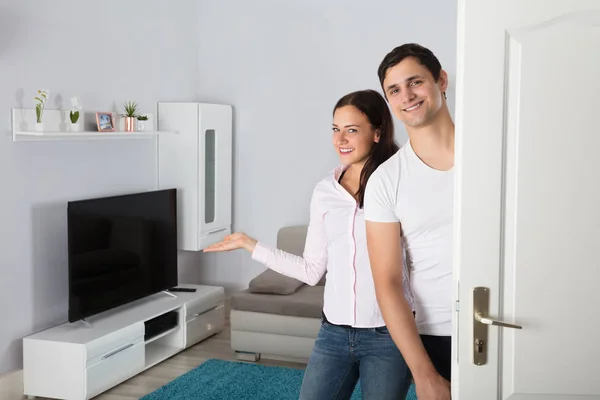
[209,176]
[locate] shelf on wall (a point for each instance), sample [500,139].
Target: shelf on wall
[22,136]
[57,123]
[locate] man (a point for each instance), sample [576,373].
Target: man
[409,201]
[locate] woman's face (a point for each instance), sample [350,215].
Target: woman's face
[353,135]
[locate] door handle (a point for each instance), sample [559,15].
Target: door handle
[481,321]
[489,321]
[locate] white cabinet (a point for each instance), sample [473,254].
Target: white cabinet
[197,161]
[78,361]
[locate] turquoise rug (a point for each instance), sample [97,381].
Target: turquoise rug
[226,380]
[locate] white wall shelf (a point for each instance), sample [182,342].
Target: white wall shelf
[57,127]
[24,136]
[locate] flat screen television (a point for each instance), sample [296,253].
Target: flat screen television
[120,249]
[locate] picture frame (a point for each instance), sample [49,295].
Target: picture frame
[105,122]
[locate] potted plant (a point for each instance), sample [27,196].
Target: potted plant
[74,113]
[130,114]
[142,122]
[39,108]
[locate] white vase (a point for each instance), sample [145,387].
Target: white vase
[75,127]
[39,127]
[141,125]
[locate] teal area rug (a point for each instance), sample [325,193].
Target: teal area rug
[226,380]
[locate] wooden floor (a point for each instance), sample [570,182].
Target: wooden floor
[218,346]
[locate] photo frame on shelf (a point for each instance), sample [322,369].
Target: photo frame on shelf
[105,122]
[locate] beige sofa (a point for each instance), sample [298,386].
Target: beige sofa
[277,317]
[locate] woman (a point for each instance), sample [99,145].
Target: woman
[353,341]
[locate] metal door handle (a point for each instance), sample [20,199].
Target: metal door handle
[481,303]
[489,321]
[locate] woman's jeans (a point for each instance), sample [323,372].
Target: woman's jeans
[341,355]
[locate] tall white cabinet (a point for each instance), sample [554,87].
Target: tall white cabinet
[197,160]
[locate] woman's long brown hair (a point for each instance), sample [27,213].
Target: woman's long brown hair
[374,107]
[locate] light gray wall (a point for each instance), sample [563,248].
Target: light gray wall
[107,52]
[283,65]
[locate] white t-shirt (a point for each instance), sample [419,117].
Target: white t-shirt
[404,189]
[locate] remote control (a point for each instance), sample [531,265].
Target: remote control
[175,289]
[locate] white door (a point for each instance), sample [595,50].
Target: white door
[527,216]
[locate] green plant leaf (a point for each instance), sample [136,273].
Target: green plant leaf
[130,109]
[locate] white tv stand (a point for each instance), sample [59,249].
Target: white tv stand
[81,360]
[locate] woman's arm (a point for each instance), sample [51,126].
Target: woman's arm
[309,268]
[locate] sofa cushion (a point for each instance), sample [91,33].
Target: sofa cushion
[307,302]
[322,281]
[271,282]
[292,239]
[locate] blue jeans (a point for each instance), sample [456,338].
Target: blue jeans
[341,355]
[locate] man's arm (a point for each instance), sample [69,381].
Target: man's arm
[384,245]
[385,254]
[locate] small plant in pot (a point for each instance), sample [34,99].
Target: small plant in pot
[39,108]
[130,110]
[142,120]
[74,113]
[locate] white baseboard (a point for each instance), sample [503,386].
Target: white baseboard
[12,382]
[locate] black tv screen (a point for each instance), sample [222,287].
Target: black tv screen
[120,249]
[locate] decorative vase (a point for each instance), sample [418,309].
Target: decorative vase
[130,124]
[75,127]
[141,125]
[39,127]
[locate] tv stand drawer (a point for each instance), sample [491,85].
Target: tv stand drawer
[200,326]
[114,340]
[115,367]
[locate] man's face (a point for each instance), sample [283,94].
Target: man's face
[414,96]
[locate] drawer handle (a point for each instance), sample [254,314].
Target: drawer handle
[194,317]
[216,231]
[112,353]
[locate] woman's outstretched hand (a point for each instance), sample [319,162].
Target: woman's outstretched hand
[237,240]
